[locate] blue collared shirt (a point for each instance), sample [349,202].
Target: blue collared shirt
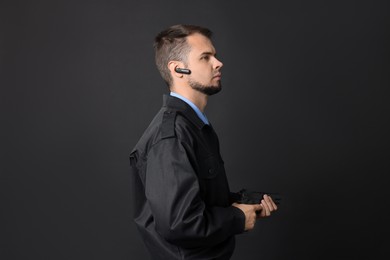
[194,107]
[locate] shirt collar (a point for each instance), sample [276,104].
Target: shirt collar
[201,115]
[181,106]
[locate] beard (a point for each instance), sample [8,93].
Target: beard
[208,90]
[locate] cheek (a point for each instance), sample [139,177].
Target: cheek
[205,78]
[201,73]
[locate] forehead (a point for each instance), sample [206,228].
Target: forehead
[200,44]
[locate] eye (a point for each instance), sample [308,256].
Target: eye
[207,57]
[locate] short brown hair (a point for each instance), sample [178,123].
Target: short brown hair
[171,44]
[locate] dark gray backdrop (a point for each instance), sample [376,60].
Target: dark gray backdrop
[304,111]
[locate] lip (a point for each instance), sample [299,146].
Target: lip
[218,75]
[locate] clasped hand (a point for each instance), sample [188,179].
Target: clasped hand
[254,211]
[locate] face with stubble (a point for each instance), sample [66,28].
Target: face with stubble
[205,68]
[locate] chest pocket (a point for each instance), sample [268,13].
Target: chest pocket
[213,184]
[210,167]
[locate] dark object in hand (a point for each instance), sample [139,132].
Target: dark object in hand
[255,197]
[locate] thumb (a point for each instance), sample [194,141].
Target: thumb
[257,207]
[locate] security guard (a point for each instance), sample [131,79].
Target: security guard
[183,205]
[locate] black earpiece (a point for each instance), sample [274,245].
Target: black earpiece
[182,71]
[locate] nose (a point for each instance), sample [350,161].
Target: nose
[218,64]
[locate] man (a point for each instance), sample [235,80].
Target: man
[183,205]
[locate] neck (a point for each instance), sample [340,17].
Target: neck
[196,97]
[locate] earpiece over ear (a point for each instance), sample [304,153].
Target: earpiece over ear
[182,71]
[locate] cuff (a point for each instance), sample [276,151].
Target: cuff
[239,220]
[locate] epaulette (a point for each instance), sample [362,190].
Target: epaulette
[168,124]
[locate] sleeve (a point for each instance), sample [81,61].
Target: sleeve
[180,215]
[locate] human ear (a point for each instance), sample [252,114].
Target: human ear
[173,66]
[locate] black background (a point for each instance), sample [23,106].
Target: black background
[304,111]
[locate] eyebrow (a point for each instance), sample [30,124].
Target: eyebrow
[208,53]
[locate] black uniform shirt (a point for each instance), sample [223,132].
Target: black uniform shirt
[182,198]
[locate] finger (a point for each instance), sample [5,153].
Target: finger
[262,213]
[267,204]
[266,209]
[258,210]
[270,203]
[273,203]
